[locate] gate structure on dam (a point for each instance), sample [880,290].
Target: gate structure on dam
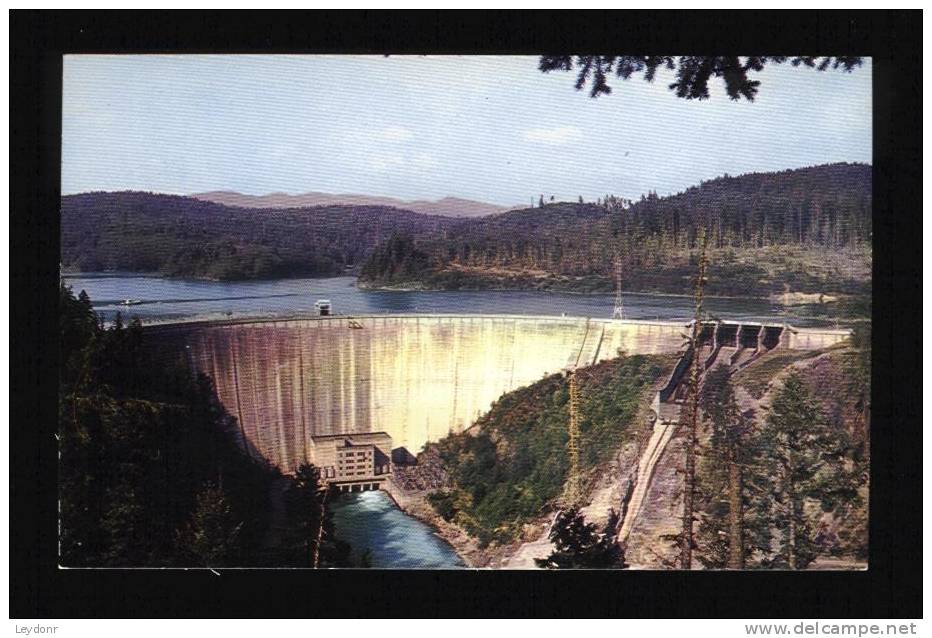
[734,345]
[414,377]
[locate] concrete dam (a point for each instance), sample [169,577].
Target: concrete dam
[416,377]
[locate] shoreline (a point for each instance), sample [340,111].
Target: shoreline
[795,297]
[406,502]
[553,291]
[466,547]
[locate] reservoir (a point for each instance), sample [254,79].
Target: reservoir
[157,299]
[370,521]
[416,377]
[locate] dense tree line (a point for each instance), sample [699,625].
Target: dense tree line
[149,471]
[780,489]
[806,230]
[147,475]
[183,236]
[828,206]
[397,261]
[822,213]
[795,229]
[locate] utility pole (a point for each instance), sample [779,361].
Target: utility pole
[691,414]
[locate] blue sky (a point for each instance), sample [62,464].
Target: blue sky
[487,128]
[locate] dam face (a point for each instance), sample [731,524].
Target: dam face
[416,377]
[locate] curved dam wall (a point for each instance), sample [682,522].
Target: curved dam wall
[416,377]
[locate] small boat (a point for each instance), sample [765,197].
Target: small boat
[130,302]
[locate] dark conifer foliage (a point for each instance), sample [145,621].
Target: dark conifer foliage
[822,214]
[149,472]
[310,540]
[726,534]
[187,237]
[784,486]
[396,261]
[144,457]
[211,537]
[809,464]
[580,545]
[693,72]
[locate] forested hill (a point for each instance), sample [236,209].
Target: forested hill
[806,230]
[183,236]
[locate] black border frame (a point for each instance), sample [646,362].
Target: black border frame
[890,588]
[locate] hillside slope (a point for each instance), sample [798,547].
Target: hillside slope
[492,490]
[508,470]
[182,236]
[839,532]
[805,230]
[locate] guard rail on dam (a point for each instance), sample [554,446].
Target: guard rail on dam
[416,377]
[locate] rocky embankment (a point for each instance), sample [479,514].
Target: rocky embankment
[651,543]
[609,488]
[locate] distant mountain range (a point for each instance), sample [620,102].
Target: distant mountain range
[186,237]
[447,207]
[803,230]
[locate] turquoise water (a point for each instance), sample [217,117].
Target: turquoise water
[370,520]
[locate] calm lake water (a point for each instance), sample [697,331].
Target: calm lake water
[185,300]
[370,520]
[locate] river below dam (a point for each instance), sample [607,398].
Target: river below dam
[159,300]
[370,520]
[372,525]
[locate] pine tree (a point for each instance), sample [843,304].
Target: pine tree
[808,467]
[311,540]
[211,537]
[723,473]
[306,512]
[579,546]
[690,413]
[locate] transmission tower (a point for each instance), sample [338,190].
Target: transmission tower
[619,311]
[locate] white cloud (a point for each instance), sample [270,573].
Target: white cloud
[425,161]
[385,162]
[394,134]
[554,136]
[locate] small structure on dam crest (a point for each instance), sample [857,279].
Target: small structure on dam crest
[735,345]
[353,462]
[418,377]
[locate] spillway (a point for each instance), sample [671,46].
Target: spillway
[416,377]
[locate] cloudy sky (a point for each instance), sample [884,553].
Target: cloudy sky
[487,128]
